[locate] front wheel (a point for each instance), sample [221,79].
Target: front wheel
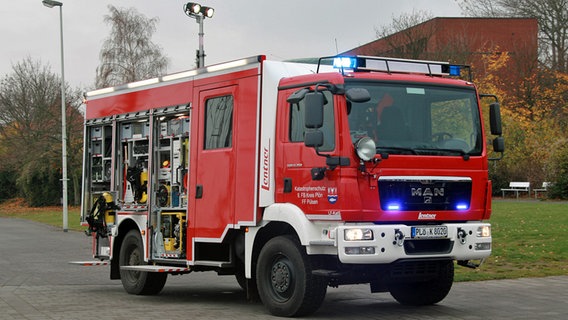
[421,293]
[285,281]
[137,282]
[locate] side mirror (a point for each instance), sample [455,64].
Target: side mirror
[313,139]
[314,110]
[358,95]
[499,144]
[297,96]
[495,119]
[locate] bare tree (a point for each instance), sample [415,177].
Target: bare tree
[483,8]
[129,53]
[407,36]
[552,17]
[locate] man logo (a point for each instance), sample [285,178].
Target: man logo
[427,192]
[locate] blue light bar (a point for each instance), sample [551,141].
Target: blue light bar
[345,62]
[455,71]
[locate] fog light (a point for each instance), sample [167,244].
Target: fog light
[483,246]
[358,234]
[484,232]
[359,250]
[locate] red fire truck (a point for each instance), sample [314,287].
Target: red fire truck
[294,177]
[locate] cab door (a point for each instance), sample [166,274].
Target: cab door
[297,163]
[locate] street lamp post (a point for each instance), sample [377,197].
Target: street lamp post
[51,4]
[199,13]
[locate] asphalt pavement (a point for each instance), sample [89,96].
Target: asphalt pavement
[37,282]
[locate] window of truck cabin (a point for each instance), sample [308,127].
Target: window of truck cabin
[297,122]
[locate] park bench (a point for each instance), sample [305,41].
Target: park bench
[544,188]
[517,187]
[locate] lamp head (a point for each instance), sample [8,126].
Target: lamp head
[207,12]
[195,9]
[192,8]
[51,3]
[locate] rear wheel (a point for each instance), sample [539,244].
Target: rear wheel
[137,282]
[421,293]
[286,284]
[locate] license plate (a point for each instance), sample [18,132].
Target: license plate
[429,232]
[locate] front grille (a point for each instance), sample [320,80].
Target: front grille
[424,194]
[412,269]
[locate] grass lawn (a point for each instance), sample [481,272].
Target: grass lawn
[530,238]
[48,215]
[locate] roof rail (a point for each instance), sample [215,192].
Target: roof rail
[394,65]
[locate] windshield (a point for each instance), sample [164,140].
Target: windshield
[417,119]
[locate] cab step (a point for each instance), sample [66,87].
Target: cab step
[156,268]
[90,263]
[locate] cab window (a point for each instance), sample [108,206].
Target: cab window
[298,128]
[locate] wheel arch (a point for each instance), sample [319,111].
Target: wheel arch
[277,220]
[269,231]
[124,227]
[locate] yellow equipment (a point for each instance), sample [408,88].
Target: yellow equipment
[172,226]
[102,214]
[110,214]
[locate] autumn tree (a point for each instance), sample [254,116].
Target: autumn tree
[30,132]
[558,170]
[534,124]
[552,18]
[129,54]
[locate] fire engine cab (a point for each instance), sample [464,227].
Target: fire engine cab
[294,177]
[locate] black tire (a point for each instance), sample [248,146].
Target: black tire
[285,281]
[248,285]
[137,282]
[240,274]
[422,293]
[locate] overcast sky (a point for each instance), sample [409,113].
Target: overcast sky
[240,28]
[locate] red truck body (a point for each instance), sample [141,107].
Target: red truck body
[234,168]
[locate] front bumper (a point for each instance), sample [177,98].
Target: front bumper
[389,243]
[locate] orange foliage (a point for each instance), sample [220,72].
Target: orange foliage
[534,112]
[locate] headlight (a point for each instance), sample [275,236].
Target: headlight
[484,232]
[366,148]
[358,234]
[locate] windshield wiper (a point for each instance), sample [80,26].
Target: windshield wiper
[400,149]
[416,151]
[460,152]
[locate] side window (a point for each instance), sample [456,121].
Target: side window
[298,129]
[218,122]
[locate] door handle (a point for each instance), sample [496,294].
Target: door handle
[199,191]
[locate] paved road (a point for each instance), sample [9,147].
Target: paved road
[37,283]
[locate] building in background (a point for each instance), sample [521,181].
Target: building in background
[462,41]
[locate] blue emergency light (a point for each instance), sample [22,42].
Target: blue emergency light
[462,206]
[393,206]
[345,62]
[455,71]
